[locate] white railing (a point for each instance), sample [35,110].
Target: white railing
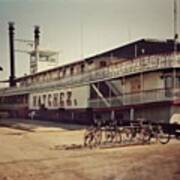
[157,95]
[140,64]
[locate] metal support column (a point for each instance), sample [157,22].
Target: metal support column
[100,95]
[174,78]
[132,114]
[142,86]
[112,115]
[110,94]
[123,89]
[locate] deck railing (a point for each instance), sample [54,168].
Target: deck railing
[138,65]
[5,106]
[157,95]
[143,97]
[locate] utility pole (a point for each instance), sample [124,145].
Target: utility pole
[175,41]
[175,26]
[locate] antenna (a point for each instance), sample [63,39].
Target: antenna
[82,40]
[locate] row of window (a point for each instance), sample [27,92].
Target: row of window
[61,99]
[21,99]
[58,74]
[169,82]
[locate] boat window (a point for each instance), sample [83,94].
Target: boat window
[103,63]
[64,72]
[34,100]
[72,70]
[82,68]
[168,82]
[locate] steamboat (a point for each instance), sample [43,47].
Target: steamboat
[140,79]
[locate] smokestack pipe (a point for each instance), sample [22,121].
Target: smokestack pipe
[12,81]
[36,37]
[36,43]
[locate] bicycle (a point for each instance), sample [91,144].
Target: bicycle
[92,137]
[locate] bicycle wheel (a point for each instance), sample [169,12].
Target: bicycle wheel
[127,135]
[163,137]
[108,136]
[98,138]
[145,135]
[89,137]
[118,137]
[146,138]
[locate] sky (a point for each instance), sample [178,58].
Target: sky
[81,28]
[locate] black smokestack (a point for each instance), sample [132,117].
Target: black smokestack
[12,81]
[36,37]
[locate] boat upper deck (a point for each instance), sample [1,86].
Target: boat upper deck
[116,69]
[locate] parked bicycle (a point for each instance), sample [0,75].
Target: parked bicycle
[138,132]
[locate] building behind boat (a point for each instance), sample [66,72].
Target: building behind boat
[140,79]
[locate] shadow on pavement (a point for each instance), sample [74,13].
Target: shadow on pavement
[34,125]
